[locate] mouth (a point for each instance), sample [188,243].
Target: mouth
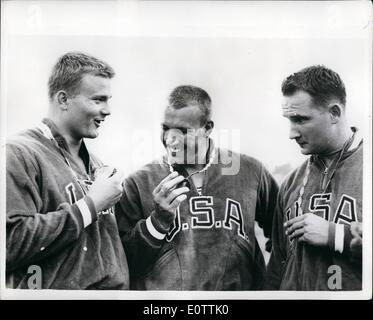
[301,144]
[98,122]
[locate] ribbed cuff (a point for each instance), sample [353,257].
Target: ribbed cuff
[339,237]
[87,210]
[150,239]
[153,230]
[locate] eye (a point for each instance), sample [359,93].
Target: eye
[299,119]
[98,100]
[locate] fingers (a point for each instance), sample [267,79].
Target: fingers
[167,194]
[169,185]
[104,171]
[117,176]
[175,193]
[302,238]
[356,229]
[296,225]
[294,220]
[178,200]
[169,177]
[355,242]
[298,233]
[117,198]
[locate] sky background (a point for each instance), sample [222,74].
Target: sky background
[239,52]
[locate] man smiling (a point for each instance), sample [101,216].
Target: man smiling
[60,219]
[185,221]
[319,208]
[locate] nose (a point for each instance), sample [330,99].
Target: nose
[294,131]
[105,110]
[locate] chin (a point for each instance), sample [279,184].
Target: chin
[92,135]
[305,151]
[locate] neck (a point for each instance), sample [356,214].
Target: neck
[201,162]
[343,137]
[73,143]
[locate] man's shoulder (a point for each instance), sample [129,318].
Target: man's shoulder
[245,160]
[152,170]
[294,176]
[23,140]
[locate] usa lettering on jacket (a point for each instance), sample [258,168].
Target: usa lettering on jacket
[203,217]
[320,204]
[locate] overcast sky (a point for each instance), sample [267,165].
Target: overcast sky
[239,52]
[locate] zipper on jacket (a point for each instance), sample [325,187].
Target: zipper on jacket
[324,175]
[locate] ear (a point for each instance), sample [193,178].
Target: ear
[209,126]
[163,138]
[335,111]
[62,99]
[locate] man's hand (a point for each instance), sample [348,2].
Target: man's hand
[308,228]
[167,198]
[357,240]
[107,189]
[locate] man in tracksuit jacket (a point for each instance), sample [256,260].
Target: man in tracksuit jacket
[61,231]
[317,229]
[187,221]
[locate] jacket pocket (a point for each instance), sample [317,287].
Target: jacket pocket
[290,272]
[164,275]
[242,271]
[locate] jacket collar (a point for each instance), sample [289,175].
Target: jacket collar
[53,134]
[350,149]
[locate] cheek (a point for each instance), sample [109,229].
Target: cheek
[89,114]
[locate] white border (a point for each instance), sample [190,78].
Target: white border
[134,19]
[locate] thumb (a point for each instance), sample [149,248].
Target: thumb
[119,176]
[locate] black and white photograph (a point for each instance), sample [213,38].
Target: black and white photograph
[186,150]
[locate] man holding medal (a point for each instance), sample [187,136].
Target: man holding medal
[187,221]
[61,231]
[317,230]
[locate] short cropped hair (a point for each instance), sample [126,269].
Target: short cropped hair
[70,69]
[321,83]
[186,95]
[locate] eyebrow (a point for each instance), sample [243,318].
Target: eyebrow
[183,129]
[101,97]
[296,117]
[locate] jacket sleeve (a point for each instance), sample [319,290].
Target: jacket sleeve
[347,240]
[141,234]
[278,256]
[266,203]
[31,235]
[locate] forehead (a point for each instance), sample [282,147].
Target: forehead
[95,85]
[188,117]
[299,103]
